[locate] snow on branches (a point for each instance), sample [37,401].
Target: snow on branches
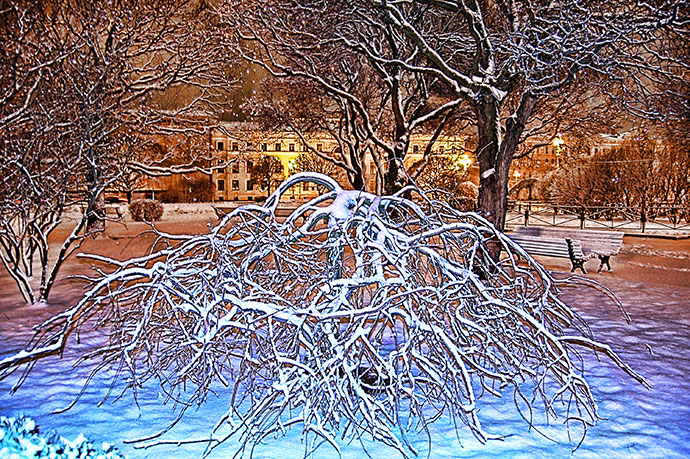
[357,316]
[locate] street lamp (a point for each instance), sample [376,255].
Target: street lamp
[465,161]
[558,143]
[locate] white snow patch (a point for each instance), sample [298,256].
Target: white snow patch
[488,173]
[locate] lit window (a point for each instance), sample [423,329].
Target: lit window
[236,167]
[235,185]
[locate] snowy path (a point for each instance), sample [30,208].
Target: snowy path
[638,423]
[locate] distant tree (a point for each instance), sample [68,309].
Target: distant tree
[643,172]
[266,173]
[507,63]
[327,76]
[446,178]
[310,162]
[674,159]
[77,90]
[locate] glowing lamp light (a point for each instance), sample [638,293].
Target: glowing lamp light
[465,161]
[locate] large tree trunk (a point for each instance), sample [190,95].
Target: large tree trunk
[495,154]
[96,220]
[493,193]
[395,177]
[356,178]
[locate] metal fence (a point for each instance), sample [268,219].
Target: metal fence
[652,217]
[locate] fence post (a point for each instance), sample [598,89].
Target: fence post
[582,218]
[643,220]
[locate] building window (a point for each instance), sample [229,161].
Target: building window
[319,147]
[250,185]
[415,149]
[441,149]
[235,185]
[291,147]
[220,145]
[221,185]
[250,166]
[236,167]
[277,146]
[235,146]
[264,147]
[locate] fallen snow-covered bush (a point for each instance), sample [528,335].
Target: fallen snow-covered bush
[20,438]
[357,316]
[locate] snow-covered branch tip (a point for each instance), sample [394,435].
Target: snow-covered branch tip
[356,316]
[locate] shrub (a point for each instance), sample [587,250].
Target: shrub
[171,196]
[146,210]
[353,314]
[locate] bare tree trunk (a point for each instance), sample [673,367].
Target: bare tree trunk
[495,154]
[396,177]
[96,219]
[492,193]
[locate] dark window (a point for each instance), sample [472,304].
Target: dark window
[278,146]
[319,147]
[264,147]
[415,148]
[235,146]
[220,145]
[441,149]
[291,147]
[221,185]
[250,185]
[250,166]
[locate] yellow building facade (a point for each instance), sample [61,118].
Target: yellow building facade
[241,145]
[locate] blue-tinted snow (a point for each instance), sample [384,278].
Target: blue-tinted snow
[637,422]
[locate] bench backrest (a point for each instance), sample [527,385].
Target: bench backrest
[600,242]
[545,246]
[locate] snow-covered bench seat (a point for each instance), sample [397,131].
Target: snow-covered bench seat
[600,244]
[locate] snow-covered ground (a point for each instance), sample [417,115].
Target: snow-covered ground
[637,422]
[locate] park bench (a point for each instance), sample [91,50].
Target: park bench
[553,247]
[600,244]
[113,209]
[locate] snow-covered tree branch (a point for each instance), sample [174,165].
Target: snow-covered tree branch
[508,63]
[358,315]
